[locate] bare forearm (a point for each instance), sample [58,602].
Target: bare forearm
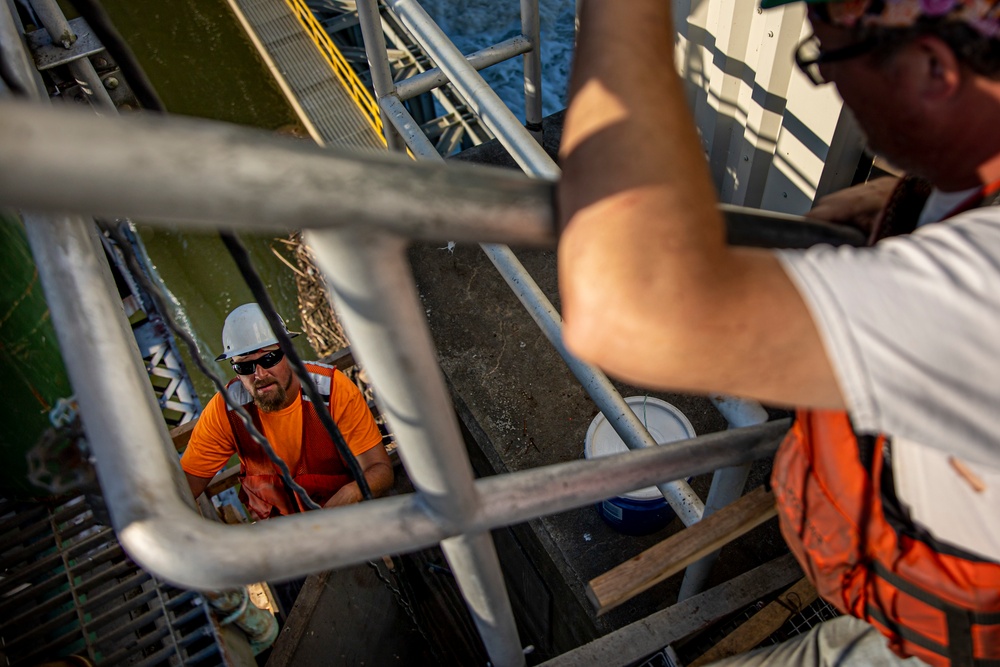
[628,124]
[636,195]
[380,479]
[197,484]
[649,289]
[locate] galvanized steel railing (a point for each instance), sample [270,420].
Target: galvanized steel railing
[149,500]
[359,212]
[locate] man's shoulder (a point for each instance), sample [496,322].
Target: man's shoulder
[318,367]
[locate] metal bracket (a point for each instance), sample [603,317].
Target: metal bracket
[48,54]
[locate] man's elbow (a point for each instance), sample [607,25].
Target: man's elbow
[381,478]
[585,337]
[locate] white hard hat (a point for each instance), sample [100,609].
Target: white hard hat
[246,329]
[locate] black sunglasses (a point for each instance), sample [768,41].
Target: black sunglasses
[268,360]
[809,56]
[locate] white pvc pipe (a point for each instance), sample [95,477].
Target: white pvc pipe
[727,484]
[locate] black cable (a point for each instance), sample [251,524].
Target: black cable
[118,49]
[259,291]
[125,246]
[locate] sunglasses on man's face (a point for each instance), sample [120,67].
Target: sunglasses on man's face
[266,361]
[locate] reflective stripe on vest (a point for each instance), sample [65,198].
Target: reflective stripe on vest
[321,470]
[940,607]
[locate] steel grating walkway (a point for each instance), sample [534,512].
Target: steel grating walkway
[66,587]
[307,76]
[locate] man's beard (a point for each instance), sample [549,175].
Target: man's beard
[272,401]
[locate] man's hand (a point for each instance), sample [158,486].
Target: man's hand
[377,468]
[858,206]
[348,495]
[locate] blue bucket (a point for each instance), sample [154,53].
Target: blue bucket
[642,511]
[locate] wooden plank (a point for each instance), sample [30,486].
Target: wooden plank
[297,622]
[342,359]
[182,434]
[762,624]
[223,480]
[647,636]
[680,550]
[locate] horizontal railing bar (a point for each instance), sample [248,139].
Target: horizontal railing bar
[208,174]
[218,555]
[203,173]
[480,60]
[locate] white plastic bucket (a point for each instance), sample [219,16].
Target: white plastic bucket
[644,510]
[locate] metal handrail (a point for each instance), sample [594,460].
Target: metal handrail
[147,496]
[205,173]
[344,72]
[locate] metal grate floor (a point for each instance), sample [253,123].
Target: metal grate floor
[68,589]
[797,624]
[323,99]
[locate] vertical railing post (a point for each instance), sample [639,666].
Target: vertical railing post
[531,28]
[378,64]
[371,283]
[727,484]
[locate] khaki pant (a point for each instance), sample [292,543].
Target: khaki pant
[842,642]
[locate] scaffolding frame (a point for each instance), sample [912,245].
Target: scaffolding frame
[171,170]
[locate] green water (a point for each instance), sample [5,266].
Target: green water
[34,377]
[202,64]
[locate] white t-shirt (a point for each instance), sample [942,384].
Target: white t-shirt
[912,328]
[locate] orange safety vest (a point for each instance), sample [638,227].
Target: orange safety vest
[862,554]
[839,515]
[321,470]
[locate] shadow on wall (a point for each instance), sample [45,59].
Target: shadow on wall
[772,139]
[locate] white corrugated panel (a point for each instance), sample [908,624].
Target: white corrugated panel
[773,140]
